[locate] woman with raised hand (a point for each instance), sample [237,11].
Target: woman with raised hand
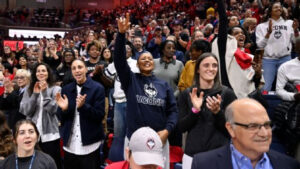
[38,104]
[201,109]
[26,136]
[81,110]
[150,101]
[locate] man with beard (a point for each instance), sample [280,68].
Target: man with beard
[138,47]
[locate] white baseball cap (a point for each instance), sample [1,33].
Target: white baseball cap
[146,147]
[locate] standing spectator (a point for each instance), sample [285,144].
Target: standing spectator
[153,45]
[201,108]
[23,62]
[167,68]
[11,99]
[64,74]
[81,110]
[187,75]
[236,67]
[120,122]
[150,101]
[275,36]
[106,57]
[32,62]
[93,51]
[138,46]
[51,55]
[38,104]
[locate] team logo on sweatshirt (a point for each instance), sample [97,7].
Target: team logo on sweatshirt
[277,34]
[150,98]
[150,90]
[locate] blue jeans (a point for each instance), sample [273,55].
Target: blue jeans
[120,119]
[270,67]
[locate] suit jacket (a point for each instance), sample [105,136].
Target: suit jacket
[221,159]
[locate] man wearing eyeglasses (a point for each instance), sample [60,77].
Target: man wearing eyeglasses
[251,134]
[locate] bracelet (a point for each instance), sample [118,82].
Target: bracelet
[195,111]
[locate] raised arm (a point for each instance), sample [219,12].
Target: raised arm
[120,61]
[222,41]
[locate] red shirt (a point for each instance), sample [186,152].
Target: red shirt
[118,165]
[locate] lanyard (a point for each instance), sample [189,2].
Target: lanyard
[31,162]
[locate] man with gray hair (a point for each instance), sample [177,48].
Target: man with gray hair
[249,126]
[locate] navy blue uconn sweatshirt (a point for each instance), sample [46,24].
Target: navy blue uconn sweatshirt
[150,101]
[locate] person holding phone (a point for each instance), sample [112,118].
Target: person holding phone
[201,109]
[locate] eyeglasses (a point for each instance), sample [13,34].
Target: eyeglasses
[20,77]
[255,126]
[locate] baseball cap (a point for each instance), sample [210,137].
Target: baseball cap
[146,147]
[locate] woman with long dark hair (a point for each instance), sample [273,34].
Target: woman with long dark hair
[26,137]
[38,104]
[201,109]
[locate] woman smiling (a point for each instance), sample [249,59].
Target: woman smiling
[81,110]
[38,104]
[150,101]
[201,109]
[26,136]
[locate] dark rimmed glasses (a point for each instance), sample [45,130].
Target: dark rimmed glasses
[255,126]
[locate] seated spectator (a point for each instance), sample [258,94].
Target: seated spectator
[288,72]
[249,126]
[143,152]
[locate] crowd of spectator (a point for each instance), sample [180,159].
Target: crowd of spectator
[145,64]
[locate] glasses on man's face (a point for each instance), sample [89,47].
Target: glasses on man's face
[20,77]
[255,126]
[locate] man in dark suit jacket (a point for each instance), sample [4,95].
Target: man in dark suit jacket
[250,129]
